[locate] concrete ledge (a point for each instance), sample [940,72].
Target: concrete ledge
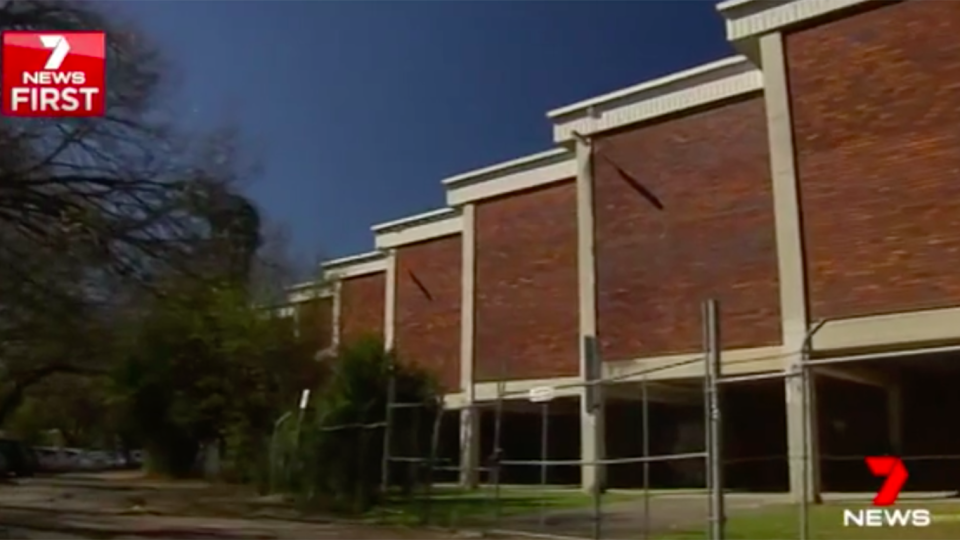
[916,328]
[515,175]
[285,311]
[657,392]
[310,290]
[487,391]
[748,18]
[418,228]
[355,265]
[455,401]
[736,362]
[692,365]
[716,81]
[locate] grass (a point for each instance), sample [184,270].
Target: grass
[826,523]
[455,508]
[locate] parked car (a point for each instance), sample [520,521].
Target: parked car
[55,459]
[48,458]
[98,459]
[18,458]
[80,459]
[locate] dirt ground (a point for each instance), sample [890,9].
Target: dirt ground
[125,505]
[120,506]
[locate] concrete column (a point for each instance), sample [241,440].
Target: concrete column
[295,311]
[591,421]
[390,301]
[469,415]
[793,298]
[335,316]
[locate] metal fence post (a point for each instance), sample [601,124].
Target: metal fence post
[301,413]
[711,321]
[804,452]
[495,466]
[544,456]
[593,393]
[432,458]
[806,392]
[387,447]
[645,444]
[278,465]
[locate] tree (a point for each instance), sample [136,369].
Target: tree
[93,211]
[118,189]
[101,186]
[276,267]
[68,410]
[127,249]
[204,363]
[47,326]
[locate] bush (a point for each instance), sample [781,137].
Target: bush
[337,457]
[205,368]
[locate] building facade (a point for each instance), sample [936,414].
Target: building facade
[812,178]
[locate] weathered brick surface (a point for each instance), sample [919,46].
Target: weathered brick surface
[316,321]
[526,296]
[427,321]
[362,306]
[714,237]
[876,110]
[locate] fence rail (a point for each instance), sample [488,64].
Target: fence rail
[431,498]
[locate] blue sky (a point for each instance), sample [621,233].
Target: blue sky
[357,109]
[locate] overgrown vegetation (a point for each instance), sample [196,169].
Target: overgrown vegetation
[332,456]
[203,367]
[139,294]
[97,214]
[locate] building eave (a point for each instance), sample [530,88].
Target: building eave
[309,290]
[418,228]
[688,89]
[519,174]
[355,265]
[748,19]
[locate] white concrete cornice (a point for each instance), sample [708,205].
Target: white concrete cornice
[750,18]
[716,81]
[310,290]
[912,329]
[356,265]
[418,228]
[514,175]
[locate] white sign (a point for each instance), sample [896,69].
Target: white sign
[304,397]
[542,394]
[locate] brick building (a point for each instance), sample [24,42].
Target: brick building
[812,178]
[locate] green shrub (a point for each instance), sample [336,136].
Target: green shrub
[337,456]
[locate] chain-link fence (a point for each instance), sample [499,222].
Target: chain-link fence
[654,479]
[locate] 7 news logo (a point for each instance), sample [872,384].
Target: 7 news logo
[53,74]
[895,472]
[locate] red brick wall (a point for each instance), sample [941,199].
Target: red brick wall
[715,236]
[526,284]
[427,322]
[876,110]
[316,321]
[362,306]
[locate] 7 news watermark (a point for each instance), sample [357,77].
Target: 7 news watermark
[53,74]
[895,472]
